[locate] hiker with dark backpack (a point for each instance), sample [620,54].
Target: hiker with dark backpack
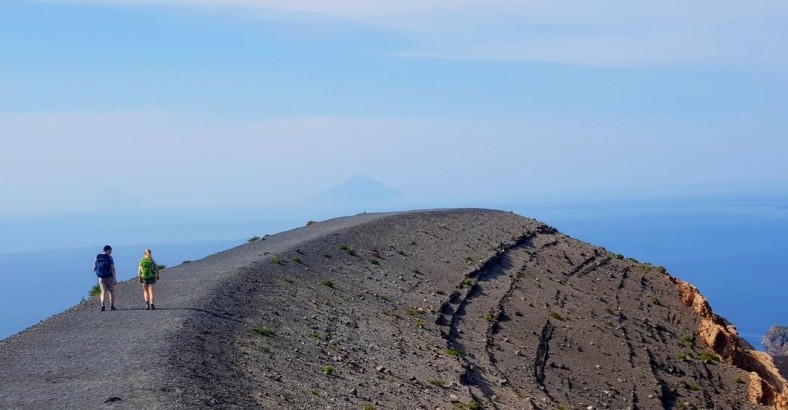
[148,274]
[104,267]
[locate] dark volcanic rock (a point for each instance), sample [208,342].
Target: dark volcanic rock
[421,310]
[776,341]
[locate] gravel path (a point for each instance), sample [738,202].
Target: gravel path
[83,358]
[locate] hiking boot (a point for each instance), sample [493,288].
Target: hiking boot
[112,307]
[152,306]
[147,306]
[102,308]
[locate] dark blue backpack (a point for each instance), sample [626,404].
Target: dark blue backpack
[103,265]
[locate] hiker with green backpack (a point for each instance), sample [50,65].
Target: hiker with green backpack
[148,274]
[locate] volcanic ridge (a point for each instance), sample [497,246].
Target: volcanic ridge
[441,309]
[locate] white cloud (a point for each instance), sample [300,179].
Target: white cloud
[606,33]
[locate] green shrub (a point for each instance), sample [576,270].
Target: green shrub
[289,280]
[662,269]
[186,261]
[344,247]
[264,331]
[315,392]
[420,323]
[452,352]
[296,259]
[369,406]
[556,316]
[689,341]
[328,370]
[690,386]
[95,290]
[437,383]
[327,283]
[709,357]
[374,262]
[610,311]
[253,239]
[402,253]
[740,380]
[161,267]
[619,256]
[310,223]
[471,405]
[276,260]
[489,317]
[467,282]
[655,301]
[384,297]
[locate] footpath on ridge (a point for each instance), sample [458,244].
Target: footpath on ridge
[83,358]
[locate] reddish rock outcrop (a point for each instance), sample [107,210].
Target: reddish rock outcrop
[766,385]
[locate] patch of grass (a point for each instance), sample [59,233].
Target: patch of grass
[328,370]
[619,256]
[709,357]
[556,316]
[436,383]
[690,386]
[411,311]
[689,341]
[186,261]
[655,301]
[468,260]
[317,335]
[253,239]
[95,290]
[391,314]
[610,311]
[740,380]
[369,406]
[420,323]
[327,283]
[467,282]
[296,259]
[374,262]
[344,247]
[384,297]
[453,352]
[310,223]
[471,405]
[489,317]
[264,331]
[662,269]
[315,392]
[685,356]
[276,260]
[289,280]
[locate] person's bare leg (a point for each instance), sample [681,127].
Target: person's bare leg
[150,295]
[101,297]
[145,294]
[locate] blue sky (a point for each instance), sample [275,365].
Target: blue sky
[146,105]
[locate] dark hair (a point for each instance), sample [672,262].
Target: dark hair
[107,248]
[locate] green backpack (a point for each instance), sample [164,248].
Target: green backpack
[148,268]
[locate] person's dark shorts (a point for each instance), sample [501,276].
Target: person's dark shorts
[148,281]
